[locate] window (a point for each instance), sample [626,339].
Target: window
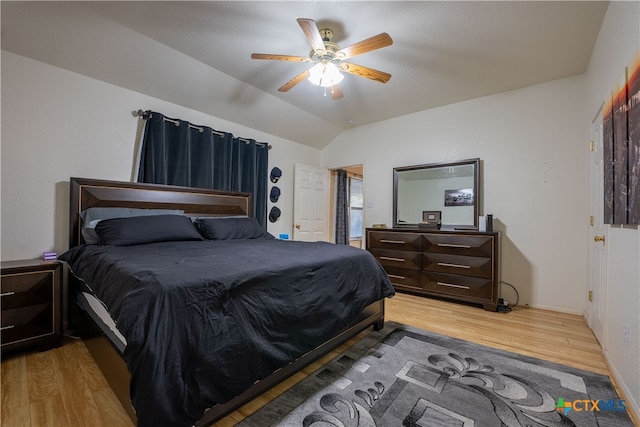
[355,208]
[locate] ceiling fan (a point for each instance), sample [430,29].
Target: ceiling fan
[329,59]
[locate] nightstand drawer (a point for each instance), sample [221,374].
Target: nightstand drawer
[31,304]
[24,289]
[32,321]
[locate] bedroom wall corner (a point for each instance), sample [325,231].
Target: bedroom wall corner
[531,145]
[57,124]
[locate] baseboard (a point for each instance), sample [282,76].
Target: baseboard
[551,308]
[633,407]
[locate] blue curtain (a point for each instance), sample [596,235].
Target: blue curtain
[176,152]
[342,207]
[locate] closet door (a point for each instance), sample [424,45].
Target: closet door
[596,302]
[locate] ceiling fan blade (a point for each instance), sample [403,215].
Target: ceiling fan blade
[294,81]
[311,32]
[336,92]
[367,45]
[366,72]
[276,57]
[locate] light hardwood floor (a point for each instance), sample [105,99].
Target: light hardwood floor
[64,387]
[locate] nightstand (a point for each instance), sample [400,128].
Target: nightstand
[31,304]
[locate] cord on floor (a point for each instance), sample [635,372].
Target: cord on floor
[505,308]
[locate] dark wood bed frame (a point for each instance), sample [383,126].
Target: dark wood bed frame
[86,193]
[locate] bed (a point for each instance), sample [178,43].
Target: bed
[187,327]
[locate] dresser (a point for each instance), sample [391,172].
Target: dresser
[31,305]
[457,265]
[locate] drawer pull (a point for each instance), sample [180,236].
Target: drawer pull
[398,242]
[451,245]
[451,285]
[388,258]
[393,276]
[6,294]
[446,264]
[7,327]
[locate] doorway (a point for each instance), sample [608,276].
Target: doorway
[355,200]
[310,204]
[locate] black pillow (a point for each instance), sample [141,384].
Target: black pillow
[232,228]
[138,230]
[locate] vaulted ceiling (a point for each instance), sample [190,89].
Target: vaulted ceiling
[197,53]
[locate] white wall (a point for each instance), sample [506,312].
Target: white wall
[617,47]
[531,143]
[57,124]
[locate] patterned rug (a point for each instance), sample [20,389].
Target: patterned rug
[403,376]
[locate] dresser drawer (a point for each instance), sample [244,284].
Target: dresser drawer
[451,284]
[400,259]
[395,241]
[404,277]
[466,245]
[458,264]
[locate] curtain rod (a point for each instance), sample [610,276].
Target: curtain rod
[144,116]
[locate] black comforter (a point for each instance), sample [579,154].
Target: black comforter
[204,320]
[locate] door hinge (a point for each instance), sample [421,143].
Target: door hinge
[592,220]
[591,296]
[591,145]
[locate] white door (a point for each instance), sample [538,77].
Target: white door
[310,203]
[597,237]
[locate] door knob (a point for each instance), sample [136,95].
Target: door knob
[297,226]
[598,238]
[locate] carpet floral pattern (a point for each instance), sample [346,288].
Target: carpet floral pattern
[404,376]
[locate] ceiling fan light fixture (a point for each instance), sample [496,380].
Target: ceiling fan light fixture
[325,74]
[328,59]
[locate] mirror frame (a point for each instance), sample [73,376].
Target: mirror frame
[476,191]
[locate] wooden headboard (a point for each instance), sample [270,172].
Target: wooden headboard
[86,193]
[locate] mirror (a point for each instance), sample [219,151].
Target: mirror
[452,189]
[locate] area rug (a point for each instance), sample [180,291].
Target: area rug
[404,376]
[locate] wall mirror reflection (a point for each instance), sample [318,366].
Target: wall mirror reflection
[449,188]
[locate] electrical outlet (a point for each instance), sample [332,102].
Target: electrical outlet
[627,334]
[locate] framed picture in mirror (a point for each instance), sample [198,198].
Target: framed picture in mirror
[461,197]
[430,219]
[431,216]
